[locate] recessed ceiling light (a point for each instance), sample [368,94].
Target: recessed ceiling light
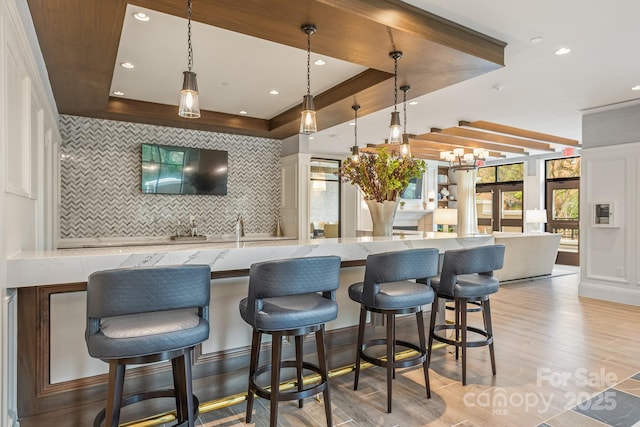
[636,87]
[352,123]
[273,92]
[127,64]
[319,62]
[497,87]
[118,93]
[536,39]
[562,51]
[141,16]
[310,137]
[413,102]
[243,112]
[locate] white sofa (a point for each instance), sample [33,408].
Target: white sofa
[527,255]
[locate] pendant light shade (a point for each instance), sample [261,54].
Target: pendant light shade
[405,148]
[395,128]
[308,123]
[189,102]
[355,151]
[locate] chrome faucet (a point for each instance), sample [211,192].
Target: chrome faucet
[239,227]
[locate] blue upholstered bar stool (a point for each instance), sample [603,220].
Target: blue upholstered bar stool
[146,315]
[388,289]
[290,297]
[467,278]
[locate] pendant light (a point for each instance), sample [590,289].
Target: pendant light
[405,148]
[308,123]
[395,129]
[189,102]
[355,151]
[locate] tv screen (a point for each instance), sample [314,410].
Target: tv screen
[413,190]
[182,170]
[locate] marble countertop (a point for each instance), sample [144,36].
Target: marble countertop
[32,268]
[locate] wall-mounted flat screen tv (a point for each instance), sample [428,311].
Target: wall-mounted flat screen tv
[413,190]
[183,170]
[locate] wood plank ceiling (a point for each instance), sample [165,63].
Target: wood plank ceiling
[499,141]
[79,41]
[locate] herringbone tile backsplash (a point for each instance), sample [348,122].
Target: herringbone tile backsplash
[100,182]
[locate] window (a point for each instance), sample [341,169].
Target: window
[499,198]
[324,198]
[563,206]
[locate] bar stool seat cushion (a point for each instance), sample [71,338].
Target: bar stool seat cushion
[142,334]
[395,295]
[470,285]
[290,312]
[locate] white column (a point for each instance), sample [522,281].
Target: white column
[467,213]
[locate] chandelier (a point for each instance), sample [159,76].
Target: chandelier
[459,160]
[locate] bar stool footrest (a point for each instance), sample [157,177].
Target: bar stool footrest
[404,363]
[288,395]
[155,394]
[476,343]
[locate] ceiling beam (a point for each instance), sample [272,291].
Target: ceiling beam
[472,143]
[442,147]
[495,127]
[79,40]
[492,137]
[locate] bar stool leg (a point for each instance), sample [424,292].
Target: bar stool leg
[183,388]
[253,366]
[486,312]
[299,366]
[114,393]
[324,377]
[363,319]
[179,386]
[390,358]
[457,326]
[276,350]
[463,330]
[421,337]
[432,327]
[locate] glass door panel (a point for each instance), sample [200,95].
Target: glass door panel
[484,207]
[565,204]
[511,213]
[499,207]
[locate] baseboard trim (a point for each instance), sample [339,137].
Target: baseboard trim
[609,293]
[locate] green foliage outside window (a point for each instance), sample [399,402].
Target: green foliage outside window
[563,168]
[501,173]
[566,204]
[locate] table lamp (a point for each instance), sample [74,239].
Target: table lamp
[446,217]
[536,216]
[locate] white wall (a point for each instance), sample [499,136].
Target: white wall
[29,142]
[610,256]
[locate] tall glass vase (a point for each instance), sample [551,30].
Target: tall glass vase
[382,216]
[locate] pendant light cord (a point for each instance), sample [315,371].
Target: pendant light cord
[190,60]
[395,84]
[404,109]
[355,130]
[308,62]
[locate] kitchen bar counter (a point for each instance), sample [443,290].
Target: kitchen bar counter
[33,268]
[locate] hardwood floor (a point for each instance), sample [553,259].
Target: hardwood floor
[554,350]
